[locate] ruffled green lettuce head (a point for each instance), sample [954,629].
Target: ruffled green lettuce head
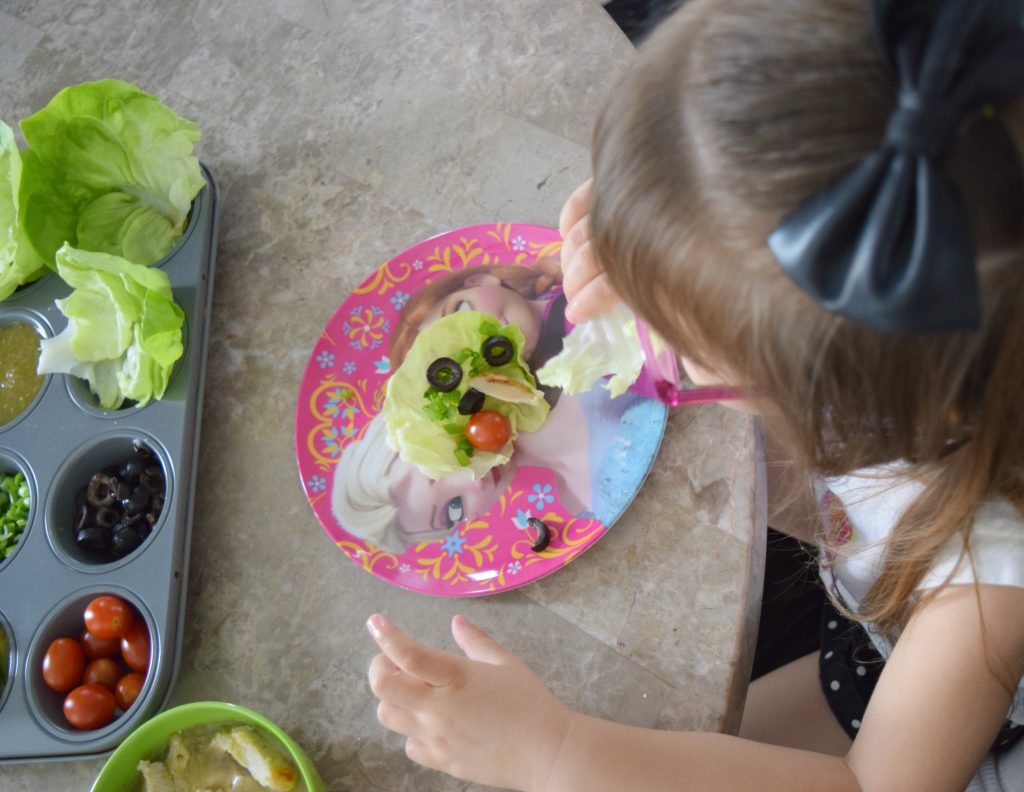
[19,262]
[425,426]
[109,168]
[124,328]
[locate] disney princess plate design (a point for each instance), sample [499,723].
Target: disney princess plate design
[454,537]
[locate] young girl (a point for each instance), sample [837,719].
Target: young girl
[597,448]
[821,203]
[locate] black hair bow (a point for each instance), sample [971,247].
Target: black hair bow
[889,245]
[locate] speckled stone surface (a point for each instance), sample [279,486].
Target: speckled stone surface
[341,131]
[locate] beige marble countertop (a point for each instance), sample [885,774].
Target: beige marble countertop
[340,132]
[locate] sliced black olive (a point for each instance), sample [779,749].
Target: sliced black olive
[142,449]
[137,502]
[106,517]
[444,374]
[92,538]
[472,401]
[132,469]
[100,490]
[123,540]
[157,503]
[152,478]
[498,350]
[81,517]
[122,491]
[543,534]
[136,519]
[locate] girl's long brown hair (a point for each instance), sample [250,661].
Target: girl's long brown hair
[528,280]
[735,112]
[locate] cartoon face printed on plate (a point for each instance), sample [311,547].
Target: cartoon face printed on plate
[438,453]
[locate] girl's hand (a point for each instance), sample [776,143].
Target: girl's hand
[586,286]
[484,718]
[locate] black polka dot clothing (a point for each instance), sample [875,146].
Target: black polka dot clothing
[849,667]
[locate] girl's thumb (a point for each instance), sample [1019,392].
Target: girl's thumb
[477,644]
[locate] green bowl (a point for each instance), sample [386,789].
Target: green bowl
[148,741]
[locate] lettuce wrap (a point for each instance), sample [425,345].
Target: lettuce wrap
[424,425]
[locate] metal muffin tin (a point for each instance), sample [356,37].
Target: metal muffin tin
[58,443]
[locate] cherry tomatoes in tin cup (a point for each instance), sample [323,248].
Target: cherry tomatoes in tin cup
[488,430]
[128,688]
[89,707]
[98,647]
[135,646]
[103,671]
[108,616]
[63,664]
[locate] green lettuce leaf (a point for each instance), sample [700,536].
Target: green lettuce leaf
[124,328]
[19,262]
[109,168]
[605,345]
[424,426]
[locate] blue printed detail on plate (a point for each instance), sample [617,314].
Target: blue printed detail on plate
[453,544]
[333,406]
[334,438]
[399,299]
[541,496]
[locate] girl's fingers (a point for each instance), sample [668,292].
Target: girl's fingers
[431,665]
[420,753]
[398,719]
[477,644]
[390,683]
[592,300]
[576,207]
[579,270]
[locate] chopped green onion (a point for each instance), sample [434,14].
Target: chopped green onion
[15,503]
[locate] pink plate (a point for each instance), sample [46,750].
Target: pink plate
[489,551]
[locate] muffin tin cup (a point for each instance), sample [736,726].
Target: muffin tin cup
[55,443]
[12,462]
[16,315]
[105,450]
[65,620]
[87,401]
[9,661]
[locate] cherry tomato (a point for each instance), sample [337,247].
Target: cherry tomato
[488,430]
[135,646]
[63,664]
[89,707]
[94,646]
[108,616]
[103,671]
[127,689]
